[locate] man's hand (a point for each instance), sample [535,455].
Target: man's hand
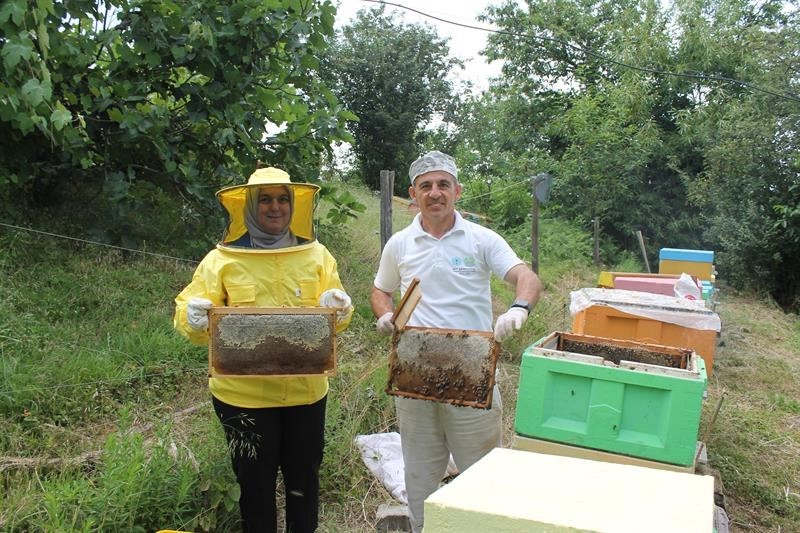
[509,322]
[197,313]
[385,324]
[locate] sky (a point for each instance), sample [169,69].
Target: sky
[464,43]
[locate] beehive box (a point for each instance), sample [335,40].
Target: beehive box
[625,397]
[524,492]
[664,286]
[686,254]
[607,279]
[704,271]
[443,365]
[265,341]
[699,263]
[647,318]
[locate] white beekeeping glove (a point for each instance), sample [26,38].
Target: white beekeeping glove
[197,313]
[336,299]
[509,322]
[385,324]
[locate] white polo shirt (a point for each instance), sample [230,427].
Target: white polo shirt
[453,272]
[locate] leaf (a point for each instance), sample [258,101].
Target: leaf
[60,117]
[13,52]
[15,10]
[24,123]
[178,52]
[115,114]
[34,92]
[234,492]
[267,98]
[153,59]
[45,5]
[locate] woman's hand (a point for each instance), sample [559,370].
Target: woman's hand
[197,313]
[335,298]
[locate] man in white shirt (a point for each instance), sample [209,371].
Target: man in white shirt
[454,260]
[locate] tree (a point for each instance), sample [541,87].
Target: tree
[392,76]
[128,103]
[665,117]
[750,181]
[603,126]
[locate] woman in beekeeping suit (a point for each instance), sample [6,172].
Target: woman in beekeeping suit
[268,257]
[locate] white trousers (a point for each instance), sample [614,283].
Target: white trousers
[431,431]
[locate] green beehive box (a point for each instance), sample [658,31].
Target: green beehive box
[625,397]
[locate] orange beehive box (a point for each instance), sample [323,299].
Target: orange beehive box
[646,317]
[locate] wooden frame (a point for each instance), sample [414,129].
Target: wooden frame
[271,341]
[443,365]
[453,366]
[407,305]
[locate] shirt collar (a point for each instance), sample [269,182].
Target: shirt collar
[416,224]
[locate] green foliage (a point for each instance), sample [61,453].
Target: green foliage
[392,76]
[561,244]
[499,150]
[86,296]
[344,206]
[101,97]
[627,261]
[139,486]
[671,121]
[750,188]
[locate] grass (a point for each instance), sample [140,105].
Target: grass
[755,441]
[90,369]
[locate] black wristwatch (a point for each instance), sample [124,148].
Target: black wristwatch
[521,303]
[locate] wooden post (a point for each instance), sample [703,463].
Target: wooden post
[387,191]
[644,251]
[596,221]
[534,229]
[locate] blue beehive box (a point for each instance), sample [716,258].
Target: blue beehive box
[680,254]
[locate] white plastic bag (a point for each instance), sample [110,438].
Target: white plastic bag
[383,455]
[685,287]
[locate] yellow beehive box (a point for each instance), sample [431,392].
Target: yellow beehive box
[704,271]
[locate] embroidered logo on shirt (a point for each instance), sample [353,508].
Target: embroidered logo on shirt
[463,265]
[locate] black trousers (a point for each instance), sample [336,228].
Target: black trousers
[263,440]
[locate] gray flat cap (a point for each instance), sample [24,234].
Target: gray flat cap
[430,162]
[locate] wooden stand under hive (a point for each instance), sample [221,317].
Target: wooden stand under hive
[267,341]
